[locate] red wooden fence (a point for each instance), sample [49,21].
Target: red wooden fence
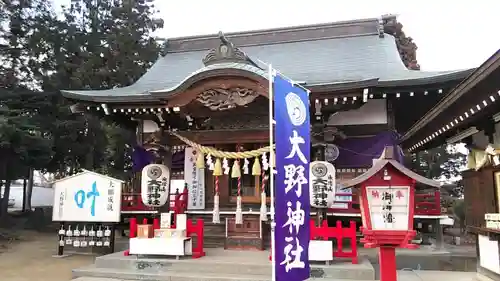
[133,202]
[340,233]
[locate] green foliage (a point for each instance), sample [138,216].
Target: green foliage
[95,45]
[442,163]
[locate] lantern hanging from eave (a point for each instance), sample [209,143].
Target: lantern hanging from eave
[155,185]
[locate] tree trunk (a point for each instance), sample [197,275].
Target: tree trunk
[5,199]
[29,190]
[25,192]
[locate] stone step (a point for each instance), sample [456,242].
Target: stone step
[214,241]
[107,274]
[175,278]
[97,279]
[233,263]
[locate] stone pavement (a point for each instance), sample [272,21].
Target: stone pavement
[422,275]
[433,275]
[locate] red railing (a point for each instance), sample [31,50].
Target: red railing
[325,232]
[132,202]
[428,203]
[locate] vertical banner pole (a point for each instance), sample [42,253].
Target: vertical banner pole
[292,200]
[60,249]
[271,172]
[112,237]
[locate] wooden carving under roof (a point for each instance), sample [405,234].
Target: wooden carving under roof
[224,99]
[253,116]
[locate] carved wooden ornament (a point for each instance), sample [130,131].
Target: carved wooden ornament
[224,99]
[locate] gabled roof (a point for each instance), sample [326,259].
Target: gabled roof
[415,137]
[387,158]
[86,172]
[325,54]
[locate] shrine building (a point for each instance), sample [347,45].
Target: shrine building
[470,114]
[367,90]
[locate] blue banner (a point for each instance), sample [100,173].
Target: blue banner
[292,205]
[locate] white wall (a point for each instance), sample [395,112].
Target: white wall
[488,254]
[372,112]
[41,197]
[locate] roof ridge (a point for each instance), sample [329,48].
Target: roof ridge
[352,28]
[242,46]
[276,29]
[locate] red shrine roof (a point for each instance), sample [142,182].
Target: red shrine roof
[340,55]
[379,164]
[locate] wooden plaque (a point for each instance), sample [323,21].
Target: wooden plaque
[245,236]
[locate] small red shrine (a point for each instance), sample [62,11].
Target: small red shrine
[387,199]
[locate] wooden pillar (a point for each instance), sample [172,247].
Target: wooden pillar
[417,160]
[166,142]
[139,130]
[224,190]
[438,228]
[321,212]
[209,187]
[139,138]
[391,124]
[489,130]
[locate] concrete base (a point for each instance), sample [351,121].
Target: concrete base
[481,277]
[219,264]
[62,256]
[486,275]
[430,275]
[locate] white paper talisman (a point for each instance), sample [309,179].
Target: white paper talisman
[321,184]
[155,185]
[388,207]
[195,179]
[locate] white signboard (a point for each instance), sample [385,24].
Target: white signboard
[195,179]
[341,201]
[389,207]
[320,250]
[488,254]
[322,184]
[155,182]
[87,197]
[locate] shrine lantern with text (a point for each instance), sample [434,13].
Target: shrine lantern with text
[387,203]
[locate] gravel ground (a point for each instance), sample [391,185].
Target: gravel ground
[30,259]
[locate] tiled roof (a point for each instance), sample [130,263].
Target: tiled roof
[316,61]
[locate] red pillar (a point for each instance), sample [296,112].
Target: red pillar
[387,262]
[132,233]
[156,223]
[132,228]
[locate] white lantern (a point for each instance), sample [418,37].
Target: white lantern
[321,184]
[155,186]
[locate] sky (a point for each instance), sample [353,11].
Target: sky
[449,34]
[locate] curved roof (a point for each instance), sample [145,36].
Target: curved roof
[328,60]
[387,159]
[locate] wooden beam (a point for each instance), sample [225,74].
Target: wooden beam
[462,89]
[225,137]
